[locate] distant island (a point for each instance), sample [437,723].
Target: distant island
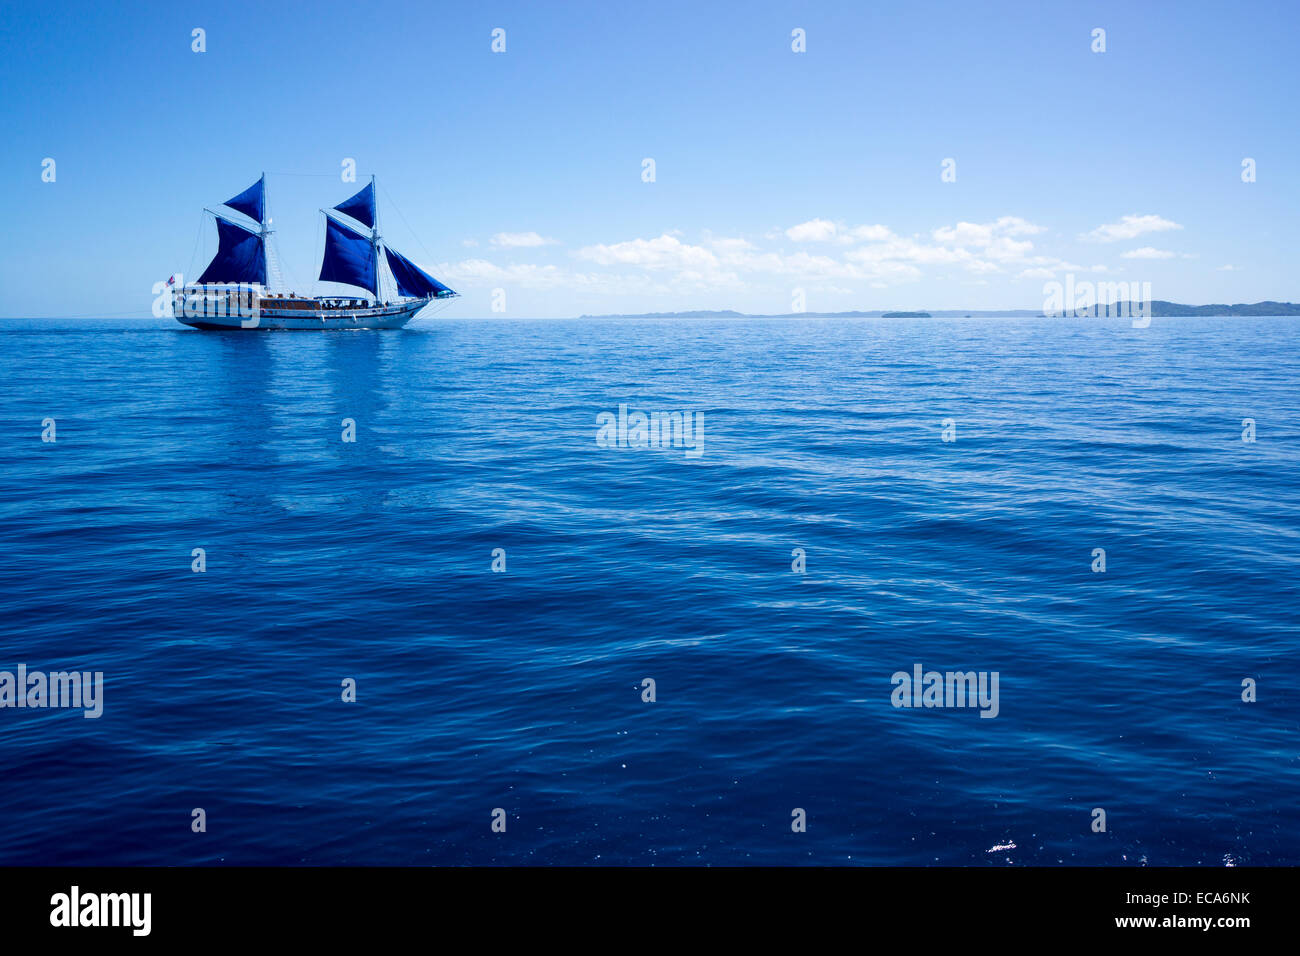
[1159,308]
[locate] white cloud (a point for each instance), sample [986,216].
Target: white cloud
[984,247]
[1129,227]
[987,233]
[908,250]
[1147,252]
[850,259]
[731,247]
[691,264]
[805,266]
[521,240]
[1228,268]
[978,248]
[823,230]
[1048,267]
[479,271]
[814,230]
[665,252]
[875,233]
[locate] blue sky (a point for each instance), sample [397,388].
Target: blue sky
[774,171]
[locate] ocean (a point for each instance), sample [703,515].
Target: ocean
[497,581]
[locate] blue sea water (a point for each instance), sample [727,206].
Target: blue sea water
[522,690]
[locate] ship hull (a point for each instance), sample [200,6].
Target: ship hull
[284,320]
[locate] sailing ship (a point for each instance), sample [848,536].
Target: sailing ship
[233,291]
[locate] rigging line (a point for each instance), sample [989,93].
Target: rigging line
[315,283]
[194,254]
[286,273]
[398,208]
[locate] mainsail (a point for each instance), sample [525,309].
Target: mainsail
[349,257]
[240,256]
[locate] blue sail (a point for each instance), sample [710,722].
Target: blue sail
[349,257]
[411,279]
[240,256]
[252,201]
[361,207]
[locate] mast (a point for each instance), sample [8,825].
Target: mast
[266,246]
[374,237]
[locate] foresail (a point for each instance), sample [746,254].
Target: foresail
[411,279]
[239,258]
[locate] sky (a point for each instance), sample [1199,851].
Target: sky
[782,180]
